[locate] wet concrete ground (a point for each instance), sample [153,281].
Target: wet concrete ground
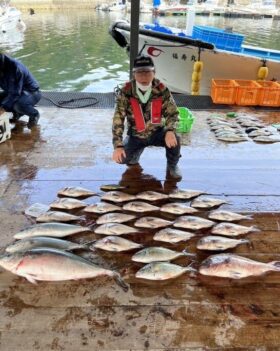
[73,147]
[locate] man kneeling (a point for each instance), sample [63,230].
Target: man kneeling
[151,116]
[20,90]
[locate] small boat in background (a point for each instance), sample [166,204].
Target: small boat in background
[221,52]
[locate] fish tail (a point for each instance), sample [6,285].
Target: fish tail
[120,281]
[255,228]
[186,253]
[276,264]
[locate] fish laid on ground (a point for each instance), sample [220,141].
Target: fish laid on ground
[56,216]
[260,132]
[232,138]
[192,222]
[115,244]
[162,271]
[152,222]
[67,204]
[267,139]
[75,191]
[185,194]
[236,267]
[177,208]
[171,235]
[155,254]
[114,218]
[53,265]
[227,216]
[112,187]
[231,229]
[117,196]
[44,241]
[151,196]
[115,229]
[213,242]
[58,230]
[207,202]
[139,206]
[101,208]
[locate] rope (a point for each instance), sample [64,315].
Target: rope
[62,103]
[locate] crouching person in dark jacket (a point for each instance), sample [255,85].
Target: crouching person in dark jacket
[20,90]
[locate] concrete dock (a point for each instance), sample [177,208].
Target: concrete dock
[192,312]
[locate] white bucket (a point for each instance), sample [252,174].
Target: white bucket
[5,128]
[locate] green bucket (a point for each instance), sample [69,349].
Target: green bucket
[186,120]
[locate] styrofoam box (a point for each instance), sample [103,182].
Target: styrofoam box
[5,128]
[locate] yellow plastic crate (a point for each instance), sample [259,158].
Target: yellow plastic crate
[223,91]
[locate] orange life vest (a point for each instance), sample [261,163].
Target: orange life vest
[156,106]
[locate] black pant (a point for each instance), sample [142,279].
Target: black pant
[134,147]
[25,103]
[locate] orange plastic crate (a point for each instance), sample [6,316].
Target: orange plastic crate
[223,91]
[269,93]
[247,93]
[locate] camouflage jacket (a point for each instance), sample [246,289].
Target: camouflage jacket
[124,112]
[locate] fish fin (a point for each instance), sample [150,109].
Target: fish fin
[235,274]
[31,279]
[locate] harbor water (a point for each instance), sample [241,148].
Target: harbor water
[72,50]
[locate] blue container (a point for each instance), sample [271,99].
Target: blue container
[220,38]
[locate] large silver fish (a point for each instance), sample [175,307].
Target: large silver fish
[207,202]
[231,229]
[75,191]
[54,229]
[219,243]
[115,229]
[171,235]
[192,222]
[44,241]
[53,265]
[67,204]
[185,194]
[162,271]
[117,196]
[177,208]
[115,244]
[155,254]
[227,216]
[151,196]
[101,208]
[152,222]
[57,216]
[139,206]
[236,267]
[114,218]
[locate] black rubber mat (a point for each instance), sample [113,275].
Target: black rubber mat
[74,100]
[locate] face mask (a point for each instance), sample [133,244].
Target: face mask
[143,87]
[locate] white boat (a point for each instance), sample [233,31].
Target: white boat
[222,54]
[118,6]
[10,18]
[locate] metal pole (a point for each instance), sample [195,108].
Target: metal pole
[134,32]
